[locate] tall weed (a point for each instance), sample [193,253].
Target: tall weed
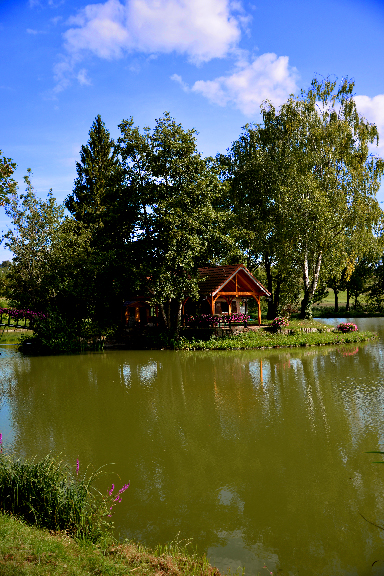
[45,494]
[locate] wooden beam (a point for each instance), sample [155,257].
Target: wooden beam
[248,283]
[234,295]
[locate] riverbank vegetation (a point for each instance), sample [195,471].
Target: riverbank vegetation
[29,551]
[52,522]
[294,199]
[299,333]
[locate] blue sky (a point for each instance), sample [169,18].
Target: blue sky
[210,63]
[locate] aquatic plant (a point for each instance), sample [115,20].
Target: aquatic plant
[45,493]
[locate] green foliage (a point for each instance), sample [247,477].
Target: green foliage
[267,339]
[7,183]
[179,223]
[45,494]
[295,196]
[58,334]
[304,186]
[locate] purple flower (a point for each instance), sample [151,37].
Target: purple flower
[112,489]
[124,488]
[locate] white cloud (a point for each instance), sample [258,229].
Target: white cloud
[100,29]
[201,29]
[267,77]
[373,110]
[82,77]
[177,78]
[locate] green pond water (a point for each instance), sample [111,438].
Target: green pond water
[259,457]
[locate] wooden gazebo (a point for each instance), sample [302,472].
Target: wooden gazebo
[230,284]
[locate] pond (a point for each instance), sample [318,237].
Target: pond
[259,457]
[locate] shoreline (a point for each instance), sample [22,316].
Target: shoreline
[34,550]
[299,333]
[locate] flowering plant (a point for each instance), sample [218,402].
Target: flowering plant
[346,327]
[115,498]
[205,320]
[279,322]
[19,314]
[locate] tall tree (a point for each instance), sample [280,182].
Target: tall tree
[318,180]
[179,222]
[51,269]
[98,178]
[7,183]
[105,206]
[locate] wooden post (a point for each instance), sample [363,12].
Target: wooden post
[259,310]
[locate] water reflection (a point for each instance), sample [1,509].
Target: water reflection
[259,456]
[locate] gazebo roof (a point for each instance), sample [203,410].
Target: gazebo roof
[215,278]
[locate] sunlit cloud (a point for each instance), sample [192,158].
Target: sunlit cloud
[267,77]
[373,110]
[201,29]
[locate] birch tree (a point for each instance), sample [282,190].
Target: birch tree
[319,181]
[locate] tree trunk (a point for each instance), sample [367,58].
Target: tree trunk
[336,299]
[309,286]
[165,314]
[176,328]
[347,305]
[271,313]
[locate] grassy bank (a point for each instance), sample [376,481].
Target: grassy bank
[12,336]
[53,522]
[29,551]
[299,333]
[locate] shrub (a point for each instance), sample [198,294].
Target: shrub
[279,322]
[45,494]
[346,327]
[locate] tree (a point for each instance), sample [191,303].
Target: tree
[7,183]
[50,268]
[34,223]
[98,179]
[255,170]
[103,204]
[179,193]
[317,181]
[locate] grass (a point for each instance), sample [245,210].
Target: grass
[52,524]
[29,551]
[45,493]
[12,336]
[299,333]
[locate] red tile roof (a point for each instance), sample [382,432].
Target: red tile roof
[213,278]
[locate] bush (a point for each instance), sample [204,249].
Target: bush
[45,494]
[346,327]
[56,334]
[279,322]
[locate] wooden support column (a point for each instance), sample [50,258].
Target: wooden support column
[259,310]
[212,303]
[229,299]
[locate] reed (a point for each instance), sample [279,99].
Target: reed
[46,494]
